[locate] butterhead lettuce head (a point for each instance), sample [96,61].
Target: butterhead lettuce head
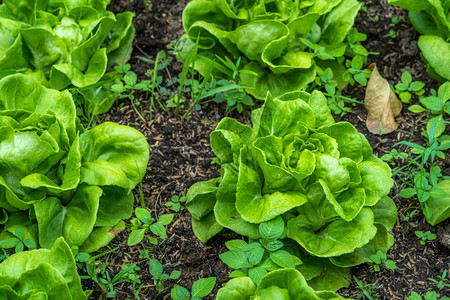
[296,162]
[56,180]
[273,38]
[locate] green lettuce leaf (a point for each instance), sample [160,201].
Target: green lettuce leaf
[439,206]
[336,238]
[288,284]
[44,274]
[436,52]
[268,37]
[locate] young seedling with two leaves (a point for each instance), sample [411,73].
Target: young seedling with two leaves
[256,258]
[201,288]
[156,270]
[380,258]
[407,87]
[144,223]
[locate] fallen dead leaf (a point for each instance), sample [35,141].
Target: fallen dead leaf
[381,103]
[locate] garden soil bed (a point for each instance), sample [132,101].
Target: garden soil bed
[181,155]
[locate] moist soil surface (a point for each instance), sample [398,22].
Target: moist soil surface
[181,155]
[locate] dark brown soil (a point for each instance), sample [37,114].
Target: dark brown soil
[181,155]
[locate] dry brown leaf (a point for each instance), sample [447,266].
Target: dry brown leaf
[381,103]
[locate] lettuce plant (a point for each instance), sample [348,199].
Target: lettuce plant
[56,180]
[285,284]
[321,177]
[41,274]
[430,18]
[64,42]
[282,43]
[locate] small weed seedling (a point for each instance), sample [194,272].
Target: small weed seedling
[354,39]
[256,259]
[407,87]
[327,81]
[318,50]
[408,214]
[394,22]
[175,203]
[393,33]
[98,273]
[127,86]
[81,258]
[18,241]
[222,90]
[436,106]
[394,156]
[355,71]
[367,290]
[201,288]
[380,258]
[425,182]
[156,270]
[431,295]
[336,102]
[235,99]
[143,223]
[424,236]
[86,107]
[442,280]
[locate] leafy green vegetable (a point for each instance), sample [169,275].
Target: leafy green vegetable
[67,182]
[41,274]
[64,43]
[439,204]
[430,18]
[282,43]
[279,284]
[321,177]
